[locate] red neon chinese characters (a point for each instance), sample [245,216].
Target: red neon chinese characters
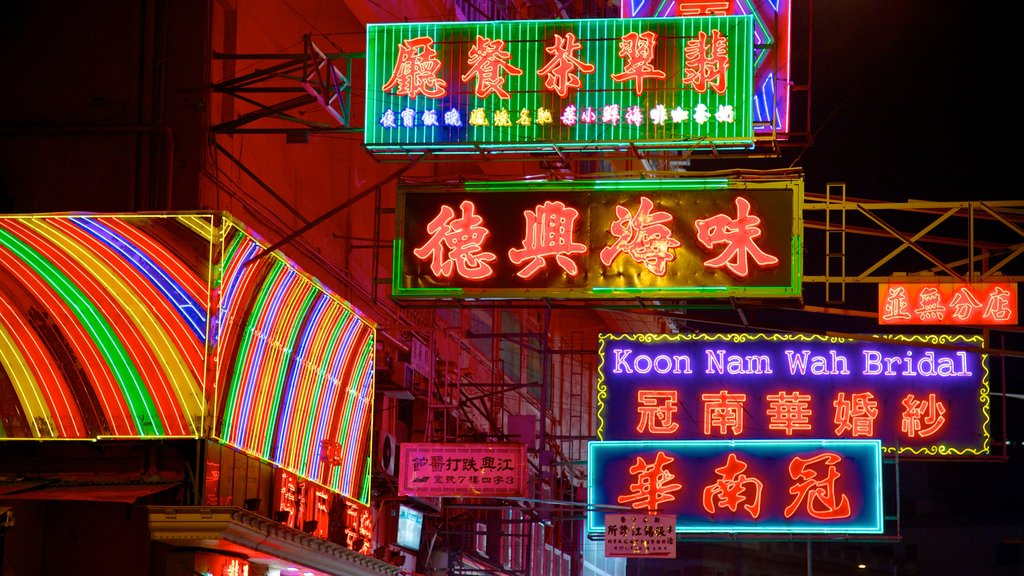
[656,408]
[486,61]
[896,304]
[638,50]
[789,411]
[725,411]
[964,304]
[549,229]
[643,236]
[819,494]
[738,235]
[707,61]
[416,70]
[730,490]
[922,418]
[559,72]
[455,244]
[856,415]
[652,483]
[998,305]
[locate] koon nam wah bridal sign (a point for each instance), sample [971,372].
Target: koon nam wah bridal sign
[919,395]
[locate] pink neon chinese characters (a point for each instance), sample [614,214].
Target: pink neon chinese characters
[560,72]
[638,52]
[998,305]
[896,304]
[922,418]
[487,59]
[656,409]
[818,490]
[789,411]
[964,304]
[456,244]
[724,411]
[707,61]
[734,488]
[549,229]
[416,70]
[652,486]
[738,235]
[856,415]
[644,236]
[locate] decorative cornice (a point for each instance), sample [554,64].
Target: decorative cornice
[206,527]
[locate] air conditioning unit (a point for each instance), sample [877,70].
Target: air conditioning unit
[387,453]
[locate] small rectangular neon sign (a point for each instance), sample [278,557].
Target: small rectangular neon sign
[583,85]
[916,398]
[695,238]
[472,470]
[639,535]
[947,303]
[734,486]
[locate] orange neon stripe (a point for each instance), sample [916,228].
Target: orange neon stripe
[156,380]
[50,381]
[101,377]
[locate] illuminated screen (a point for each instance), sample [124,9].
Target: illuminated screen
[410,527]
[771,27]
[756,486]
[298,370]
[920,395]
[671,83]
[699,237]
[103,325]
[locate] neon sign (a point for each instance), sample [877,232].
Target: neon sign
[143,326]
[772,22]
[473,470]
[917,399]
[694,238]
[575,84]
[947,303]
[764,486]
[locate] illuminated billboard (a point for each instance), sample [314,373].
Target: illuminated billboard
[576,85]
[472,470]
[741,486]
[947,303]
[771,28]
[683,238]
[920,395]
[138,326]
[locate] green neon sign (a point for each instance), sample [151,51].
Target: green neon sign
[578,85]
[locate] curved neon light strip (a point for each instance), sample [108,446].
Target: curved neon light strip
[153,315]
[296,386]
[348,324]
[192,311]
[140,405]
[137,329]
[30,369]
[318,401]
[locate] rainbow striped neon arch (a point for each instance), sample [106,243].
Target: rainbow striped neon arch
[106,331]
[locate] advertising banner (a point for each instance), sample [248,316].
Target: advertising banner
[734,486]
[920,395]
[947,303]
[583,85]
[682,238]
[484,470]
